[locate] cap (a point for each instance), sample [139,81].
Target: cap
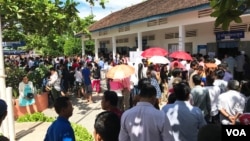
[3,106]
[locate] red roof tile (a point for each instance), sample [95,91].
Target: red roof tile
[143,10]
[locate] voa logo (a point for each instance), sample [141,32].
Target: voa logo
[236,132]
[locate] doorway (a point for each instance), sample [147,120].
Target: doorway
[228,47]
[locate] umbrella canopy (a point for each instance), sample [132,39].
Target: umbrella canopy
[154,51]
[159,60]
[181,55]
[120,72]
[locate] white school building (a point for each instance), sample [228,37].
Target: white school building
[171,24]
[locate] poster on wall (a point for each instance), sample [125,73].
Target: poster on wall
[135,56]
[202,49]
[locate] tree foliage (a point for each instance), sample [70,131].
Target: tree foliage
[38,16]
[227,11]
[43,23]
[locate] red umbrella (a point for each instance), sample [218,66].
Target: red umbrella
[154,51]
[181,55]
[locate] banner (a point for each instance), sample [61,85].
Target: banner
[230,35]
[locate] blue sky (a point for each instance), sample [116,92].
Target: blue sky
[99,12]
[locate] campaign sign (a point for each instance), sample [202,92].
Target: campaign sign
[238,132]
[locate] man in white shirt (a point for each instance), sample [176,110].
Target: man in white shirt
[143,122]
[231,103]
[214,92]
[185,119]
[54,81]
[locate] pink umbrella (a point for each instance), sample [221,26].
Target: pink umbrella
[181,55]
[154,51]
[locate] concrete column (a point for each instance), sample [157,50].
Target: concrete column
[10,115]
[97,44]
[4,126]
[182,37]
[139,41]
[114,46]
[83,47]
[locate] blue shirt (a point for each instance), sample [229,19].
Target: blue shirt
[154,83]
[228,76]
[86,76]
[101,64]
[60,130]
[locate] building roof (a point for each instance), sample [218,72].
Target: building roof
[145,10]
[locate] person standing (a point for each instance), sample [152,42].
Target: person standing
[156,85]
[64,80]
[60,129]
[214,92]
[164,82]
[78,82]
[26,94]
[144,122]
[240,61]
[86,73]
[231,103]
[54,82]
[96,82]
[200,97]
[192,71]
[231,62]
[185,119]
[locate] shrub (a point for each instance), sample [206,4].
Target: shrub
[81,133]
[15,74]
[35,117]
[14,77]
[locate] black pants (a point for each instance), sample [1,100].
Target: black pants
[238,75]
[53,95]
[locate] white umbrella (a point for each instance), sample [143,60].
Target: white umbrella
[159,60]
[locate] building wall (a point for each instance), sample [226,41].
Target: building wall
[204,27]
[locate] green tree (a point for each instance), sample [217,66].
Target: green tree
[38,16]
[89,46]
[227,11]
[72,46]
[41,23]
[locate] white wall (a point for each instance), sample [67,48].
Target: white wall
[204,27]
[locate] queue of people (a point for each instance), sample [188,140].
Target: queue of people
[177,102]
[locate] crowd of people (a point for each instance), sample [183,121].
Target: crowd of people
[185,100]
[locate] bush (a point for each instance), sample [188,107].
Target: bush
[35,117]
[15,75]
[81,133]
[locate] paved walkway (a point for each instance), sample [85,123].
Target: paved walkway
[83,114]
